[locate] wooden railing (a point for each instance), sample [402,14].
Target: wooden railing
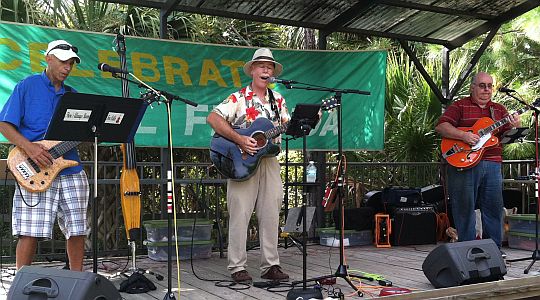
[201,192]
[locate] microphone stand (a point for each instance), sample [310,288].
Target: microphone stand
[341,271]
[536,253]
[166,98]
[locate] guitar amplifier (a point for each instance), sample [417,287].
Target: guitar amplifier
[401,197]
[414,226]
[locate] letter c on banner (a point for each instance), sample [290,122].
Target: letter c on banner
[14,64]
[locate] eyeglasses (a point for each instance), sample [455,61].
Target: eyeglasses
[64,47]
[483,86]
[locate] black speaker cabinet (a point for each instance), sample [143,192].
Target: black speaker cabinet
[58,284]
[414,226]
[464,263]
[360,218]
[432,194]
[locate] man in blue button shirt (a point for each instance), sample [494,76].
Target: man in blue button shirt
[23,121]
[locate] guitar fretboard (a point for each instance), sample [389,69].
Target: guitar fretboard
[62,148]
[499,123]
[272,133]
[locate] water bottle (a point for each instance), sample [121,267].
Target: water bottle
[311,172]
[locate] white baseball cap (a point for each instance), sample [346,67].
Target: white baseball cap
[63,50]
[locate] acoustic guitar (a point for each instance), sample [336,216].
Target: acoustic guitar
[234,164]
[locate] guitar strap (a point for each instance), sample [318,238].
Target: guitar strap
[273,105]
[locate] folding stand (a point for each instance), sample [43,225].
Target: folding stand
[304,118]
[512,136]
[515,135]
[341,271]
[93,118]
[536,253]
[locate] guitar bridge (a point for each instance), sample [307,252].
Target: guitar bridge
[455,149]
[25,171]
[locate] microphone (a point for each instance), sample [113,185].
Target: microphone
[277,80]
[106,68]
[506,90]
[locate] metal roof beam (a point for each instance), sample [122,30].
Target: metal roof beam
[396,36]
[474,60]
[248,17]
[494,24]
[348,15]
[434,88]
[151,4]
[168,7]
[437,9]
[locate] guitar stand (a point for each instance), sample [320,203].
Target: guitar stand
[136,282]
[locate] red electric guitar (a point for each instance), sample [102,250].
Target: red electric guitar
[462,155]
[329,199]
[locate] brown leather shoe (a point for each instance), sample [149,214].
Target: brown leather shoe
[275,273]
[241,276]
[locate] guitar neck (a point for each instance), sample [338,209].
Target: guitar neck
[274,132]
[61,148]
[500,123]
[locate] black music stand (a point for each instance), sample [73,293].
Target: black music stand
[515,135]
[94,118]
[304,118]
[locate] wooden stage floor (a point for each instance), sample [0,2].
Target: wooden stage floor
[400,265]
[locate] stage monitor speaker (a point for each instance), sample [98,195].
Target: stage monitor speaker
[464,263]
[38,283]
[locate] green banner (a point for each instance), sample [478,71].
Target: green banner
[207,74]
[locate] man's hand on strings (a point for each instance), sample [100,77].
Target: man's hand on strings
[470,138]
[39,154]
[248,145]
[514,120]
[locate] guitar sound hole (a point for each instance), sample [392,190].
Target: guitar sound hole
[261,139]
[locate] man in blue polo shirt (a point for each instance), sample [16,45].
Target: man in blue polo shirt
[23,121]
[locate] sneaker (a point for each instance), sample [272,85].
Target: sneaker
[503,254]
[275,274]
[241,276]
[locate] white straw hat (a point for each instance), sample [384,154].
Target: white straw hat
[263,54]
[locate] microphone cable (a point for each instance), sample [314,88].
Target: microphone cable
[231,284]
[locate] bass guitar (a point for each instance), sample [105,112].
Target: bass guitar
[462,155]
[232,163]
[33,178]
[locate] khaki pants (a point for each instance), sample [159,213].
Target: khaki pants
[264,193]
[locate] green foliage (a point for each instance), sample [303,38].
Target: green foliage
[411,107]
